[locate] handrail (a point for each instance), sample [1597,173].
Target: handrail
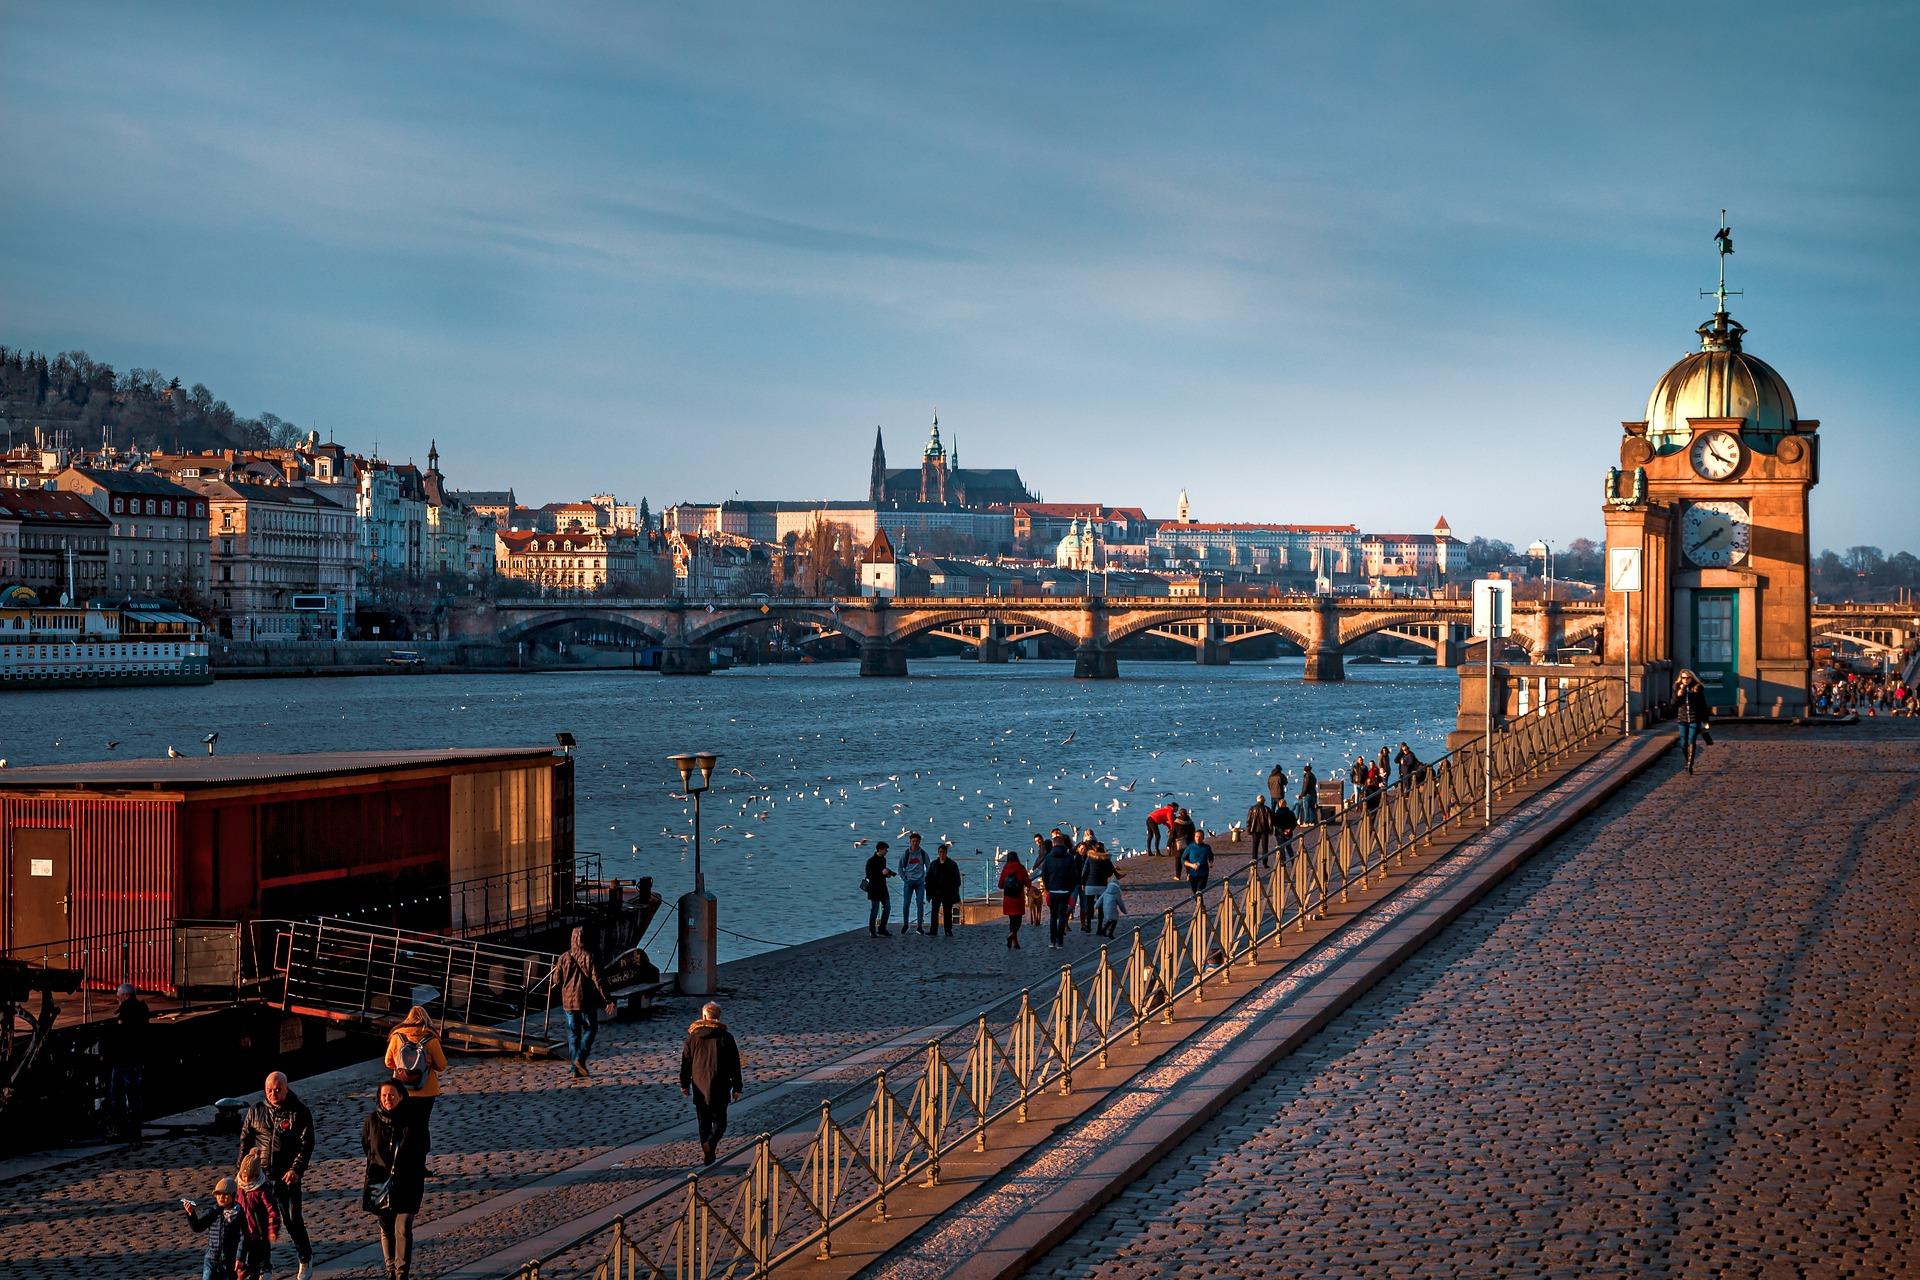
[486,893]
[814,1173]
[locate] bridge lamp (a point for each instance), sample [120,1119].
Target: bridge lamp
[1544,549]
[699,912]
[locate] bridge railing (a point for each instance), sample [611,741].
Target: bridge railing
[788,1190]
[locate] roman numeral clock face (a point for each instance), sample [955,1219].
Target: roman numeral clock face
[1714,535]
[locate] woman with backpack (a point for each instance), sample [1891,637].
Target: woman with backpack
[417,1061]
[1013,895]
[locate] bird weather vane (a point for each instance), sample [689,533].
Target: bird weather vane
[1723,239]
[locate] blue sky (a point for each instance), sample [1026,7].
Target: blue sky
[1310,262]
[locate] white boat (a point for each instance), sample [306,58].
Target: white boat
[66,647]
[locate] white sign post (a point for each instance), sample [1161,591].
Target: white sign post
[1624,576]
[1492,620]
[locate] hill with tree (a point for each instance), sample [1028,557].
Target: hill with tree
[94,405]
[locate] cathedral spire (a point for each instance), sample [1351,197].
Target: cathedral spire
[877,485]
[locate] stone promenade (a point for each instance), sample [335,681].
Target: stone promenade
[508,1123]
[1680,1042]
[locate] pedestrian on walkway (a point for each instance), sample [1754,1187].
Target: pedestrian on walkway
[1276,786]
[913,881]
[1309,796]
[255,1199]
[710,1072]
[1158,822]
[1111,907]
[1036,892]
[583,995]
[1060,874]
[943,888]
[1014,883]
[879,900]
[124,1045]
[1096,873]
[1180,835]
[396,1175]
[279,1130]
[1284,827]
[1409,765]
[1690,709]
[226,1227]
[1260,824]
[1198,861]
[417,1060]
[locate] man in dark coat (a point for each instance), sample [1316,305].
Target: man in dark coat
[1260,824]
[1061,871]
[280,1129]
[1284,825]
[710,1071]
[583,994]
[879,898]
[1277,786]
[124,1046]
[943,888]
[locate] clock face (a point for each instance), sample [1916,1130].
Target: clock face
[1715,454]
[1715,534]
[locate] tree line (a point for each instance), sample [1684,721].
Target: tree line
[94,405]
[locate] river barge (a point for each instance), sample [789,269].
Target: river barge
[71,647]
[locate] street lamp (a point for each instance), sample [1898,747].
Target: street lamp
[1544,549]
[699,914]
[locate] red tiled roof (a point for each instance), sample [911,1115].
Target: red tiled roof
[1241,527]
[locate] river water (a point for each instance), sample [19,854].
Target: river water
[813,759]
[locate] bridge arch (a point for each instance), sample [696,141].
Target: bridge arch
[546,620]
[1200,611]
[1030,624]
[704,629]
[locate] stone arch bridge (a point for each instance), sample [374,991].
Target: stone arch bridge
[1320,626]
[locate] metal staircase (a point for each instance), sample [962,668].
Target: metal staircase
[486,998]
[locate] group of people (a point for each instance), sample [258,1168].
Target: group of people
[923,879]
[1850,693]
[1061,872]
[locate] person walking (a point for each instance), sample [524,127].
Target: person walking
[1198,861]
[279,1131]
[1179,836]
[710,1074]
[1158,822]
[1690,709]
[1276,786]
[1284,825]
[1013,895]
[879,900]
[396,1175]
[943,888]
[417,1060]
[255,1199]
[1060,875]
[1384,761]
[583,995]
[124,1045]
[1036,894]
[227,1227]
[1309,796]
[913,882]
[1408,764]
[1260,824]
[1096,873]
[1111,907]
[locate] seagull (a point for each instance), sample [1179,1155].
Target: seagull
[1069,738]
[1130,786]
[3,762]
[172,754]
[112,743]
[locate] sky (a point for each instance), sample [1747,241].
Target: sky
[1309,262]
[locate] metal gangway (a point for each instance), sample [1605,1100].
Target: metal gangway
[485,997]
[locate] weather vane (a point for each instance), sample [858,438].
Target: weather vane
[1724,239]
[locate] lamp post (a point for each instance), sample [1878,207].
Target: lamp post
[1544,549]
[699,913]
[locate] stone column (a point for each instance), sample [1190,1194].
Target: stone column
[1323,634]
[1095,662]
[677,659]
[879,658]
[993,642]
[1213,650]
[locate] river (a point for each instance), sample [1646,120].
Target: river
[812,758]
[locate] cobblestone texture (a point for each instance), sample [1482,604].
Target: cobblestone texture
[508,1121]
[1679,1043]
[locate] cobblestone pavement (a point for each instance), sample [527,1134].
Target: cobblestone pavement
[508,1121]
[1681,1042]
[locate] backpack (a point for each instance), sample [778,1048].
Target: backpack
[410,1067]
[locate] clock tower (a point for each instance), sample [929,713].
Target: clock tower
[1712,489]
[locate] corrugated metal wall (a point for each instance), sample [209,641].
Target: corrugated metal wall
[124,872]
[502,826]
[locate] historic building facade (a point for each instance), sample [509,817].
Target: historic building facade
[158,545]
[283,559]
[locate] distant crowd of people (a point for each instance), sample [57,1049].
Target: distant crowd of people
[1853,694]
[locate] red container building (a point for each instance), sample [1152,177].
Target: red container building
[114,854]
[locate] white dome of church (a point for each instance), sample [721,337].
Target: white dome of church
[1076,549]
[1718,381]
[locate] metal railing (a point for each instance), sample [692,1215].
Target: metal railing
[175,959]
[366,973]
[504,902]
[804,1179]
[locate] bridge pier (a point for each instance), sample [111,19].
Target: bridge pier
[1326,665]
[878,658]
[1449,653]
[1092,662]
[1324,662]
[993,649]
[686,660]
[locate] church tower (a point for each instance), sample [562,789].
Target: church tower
[933,468]
[877,485]
[1711,499]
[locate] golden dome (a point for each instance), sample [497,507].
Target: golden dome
[1719,381]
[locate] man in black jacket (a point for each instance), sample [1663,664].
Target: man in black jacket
[943,888]
[1061,871]
[710,1069]
[280,1129]
[1260,825]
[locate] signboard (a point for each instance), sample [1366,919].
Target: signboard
[1331,796]
[1492,609]
[312,604]
[40,866]
[1623,569]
